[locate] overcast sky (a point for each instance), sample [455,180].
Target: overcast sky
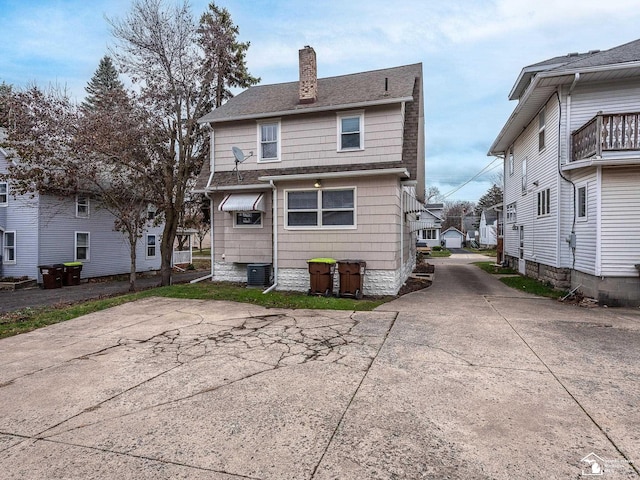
[471,50]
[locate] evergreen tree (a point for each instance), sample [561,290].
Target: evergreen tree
[492,197]
[224,63]
[104,86]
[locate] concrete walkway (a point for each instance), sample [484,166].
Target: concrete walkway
[466,379]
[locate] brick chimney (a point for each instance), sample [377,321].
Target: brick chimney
[308,87]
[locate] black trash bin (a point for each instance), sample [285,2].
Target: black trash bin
[71,273]
[351,277]
[51,275]
[321,276]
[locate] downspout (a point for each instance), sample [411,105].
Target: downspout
[274,203]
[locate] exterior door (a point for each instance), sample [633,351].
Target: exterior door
[522,264]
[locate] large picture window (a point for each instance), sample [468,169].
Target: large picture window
[321,208]
[351,132]
[82,246]
[9,251]
[268,140]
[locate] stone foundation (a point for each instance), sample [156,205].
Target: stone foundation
[557,277]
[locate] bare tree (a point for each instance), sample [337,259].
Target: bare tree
[162,51]
[433,195]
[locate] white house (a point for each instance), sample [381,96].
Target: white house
[42,229]
[488,228]
[432,216]
[320,167]
[572,173]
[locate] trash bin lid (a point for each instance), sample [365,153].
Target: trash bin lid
[72,264]
[322,260]
[351,261]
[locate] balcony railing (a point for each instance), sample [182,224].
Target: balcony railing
[606,132]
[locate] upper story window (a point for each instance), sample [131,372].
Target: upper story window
[4,194]
[511,212]
[269,142]
[82,246]
[581,205]
[541,128]
[82,207]
[152,211]
[524,176]
[351,131]
[9,252]
[511,161]
[544,202]
[151,246]
[320,208]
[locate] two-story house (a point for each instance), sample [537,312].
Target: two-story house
[41,229]
[572,173]
[320,167]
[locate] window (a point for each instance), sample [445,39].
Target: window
[82,207]
[151,246]
[430,234]
[9,252]
[269,146]
[321,208]
[524,176]
[511,161]
[151,212]
[82,246]
[4,194]
[248,219]
[544,200]
[350,132]
[511,212]
[541,128]
[582,203]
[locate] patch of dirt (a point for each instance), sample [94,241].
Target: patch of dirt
[414,284]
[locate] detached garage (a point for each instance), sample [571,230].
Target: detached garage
[452,238]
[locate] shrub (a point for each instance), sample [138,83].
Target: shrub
[437,248]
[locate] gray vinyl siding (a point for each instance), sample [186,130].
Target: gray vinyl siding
[620,226]
[109,252]
[586,229]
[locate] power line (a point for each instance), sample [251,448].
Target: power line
[472,178]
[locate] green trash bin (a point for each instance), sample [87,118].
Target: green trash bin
[321,276]
[71,273]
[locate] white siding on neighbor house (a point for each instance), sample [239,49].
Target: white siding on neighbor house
[109,252]
[311,139]
[620,221]
[586,229]
[22,217]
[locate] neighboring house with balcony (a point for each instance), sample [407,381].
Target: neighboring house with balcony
[326,167]
[42,229]
[572,173]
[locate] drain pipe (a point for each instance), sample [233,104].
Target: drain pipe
[274,222]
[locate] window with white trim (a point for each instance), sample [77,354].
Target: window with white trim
[541,128]
[82,207]
[511,161]
[329,208]
[350,132]
[524,176]
[430,234]
[581,204]
[152,211]
[9,251]
[4,194]
[82,246]
[511,212]
[269,142]
[247,219]
[152,240]
[544,201]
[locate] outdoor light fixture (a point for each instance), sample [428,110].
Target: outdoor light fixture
[318,184]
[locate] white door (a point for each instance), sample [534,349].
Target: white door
[522,264]
[453,242]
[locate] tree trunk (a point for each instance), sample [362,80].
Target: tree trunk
[166,245]
[133,241]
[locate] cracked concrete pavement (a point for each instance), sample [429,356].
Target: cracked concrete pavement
[466,379]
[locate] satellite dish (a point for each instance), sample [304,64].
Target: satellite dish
[239,154]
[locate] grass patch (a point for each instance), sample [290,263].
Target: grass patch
[490,268]
[533,286]
[489,252]
[440,253]
[28,319]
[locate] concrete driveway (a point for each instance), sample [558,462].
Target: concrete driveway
[467,379]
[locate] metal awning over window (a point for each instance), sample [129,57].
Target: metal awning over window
[421,225]
[243,202]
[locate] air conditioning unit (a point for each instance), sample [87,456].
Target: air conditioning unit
[258,274]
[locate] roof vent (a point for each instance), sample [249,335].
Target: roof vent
[573,54]
[594,51]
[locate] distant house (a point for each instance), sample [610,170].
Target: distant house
[432,216]
[453,238]
[322,167]
[488,228]
[470,229]
[42,229]
[572,173]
